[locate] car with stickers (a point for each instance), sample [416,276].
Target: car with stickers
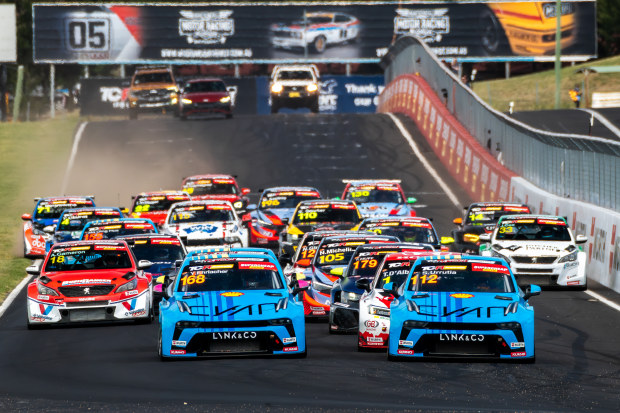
[72,222]
[220,187]
[203,97]
[332,255]
[406,229]
[46,213]
[373,327]
[379,197]
[203,224]
[294,87]
[155,205]
[318,215]
[274,210]
[481,218]
[316,31]
[232,304]
[345,293]
[466,307]
[89,281]
[152,89]
[539,248]
[163,251]
[111,228]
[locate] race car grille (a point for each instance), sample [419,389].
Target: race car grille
[88,291]
[294,89]
[534,260]
[284,33]
[204,242]
[87,304]
[451,326]
[534,270]
[151,94]
[462,345]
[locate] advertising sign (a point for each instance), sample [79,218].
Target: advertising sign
[8,39]
[313,32]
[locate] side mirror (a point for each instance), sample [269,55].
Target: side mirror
[284,221]
[125,210]
[144,264]
[27,217]
[412,200]
[338,272]
[245,218]
[251,207]
[288,249]
[458,221]
[50,229]
[446,240]
[531,291]
[581,239]
[363,284]
[34,269]
[303,263]
[391,288]
[484,237]
[298,290]
[245,191]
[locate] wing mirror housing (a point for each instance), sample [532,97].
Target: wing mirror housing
[363,284]
[531,291]
[245,191]
[447,240]
[144,264]
[27,217]
[33,269]
[581,239]
[339,272]
[484,237]
[458,221]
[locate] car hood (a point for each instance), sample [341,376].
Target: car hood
[201,230]
[534,248]
[157,217]
[348,284]
[236,304]
[374,209]
[450,307]
[278,213]
[324,276]
[87,278]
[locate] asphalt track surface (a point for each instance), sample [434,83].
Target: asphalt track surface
[116,368]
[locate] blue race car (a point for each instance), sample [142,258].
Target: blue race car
[467,307]
[72,222]
[231,303]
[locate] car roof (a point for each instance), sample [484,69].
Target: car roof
[533,216]
[209,176]
[458,258]
[113,242]
[90,208]
[414,246]
[290,188]
[163,192]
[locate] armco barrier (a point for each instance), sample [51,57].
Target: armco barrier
[478,172]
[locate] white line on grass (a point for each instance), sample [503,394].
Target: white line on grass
[76,142]
[424,161]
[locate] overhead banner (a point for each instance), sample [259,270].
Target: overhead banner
[313,32]
[8,37]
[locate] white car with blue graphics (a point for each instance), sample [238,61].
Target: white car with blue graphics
[203,224]
[379,198]
[540,249]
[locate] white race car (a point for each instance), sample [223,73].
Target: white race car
[540,249]
[202,224]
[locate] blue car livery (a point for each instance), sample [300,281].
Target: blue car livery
[231,303]
[462,307]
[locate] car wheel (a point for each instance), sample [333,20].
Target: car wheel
[492,36]
[391,357]
[274,108]
[319,44]
[160,348]
[133,114]
[315,107]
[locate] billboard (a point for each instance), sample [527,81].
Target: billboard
[8,37]
[313,32]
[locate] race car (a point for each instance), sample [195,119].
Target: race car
[345,294]
[155,205]
[110,228]
[205,96]
[318,215]
[416,229]
[332,255]
[231,304]
[275,208]
[87,281]
[540,249]
[379,198]
[316,31]
[481,218]
[46,213]
[163,251]
[202,224]
[461,307]
[220,187]
[374,304]
[72,221]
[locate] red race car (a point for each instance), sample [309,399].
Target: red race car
[221,187]
[85,281]
[205,96]
[155,205]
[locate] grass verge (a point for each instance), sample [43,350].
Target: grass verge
[536,91]
[33,156]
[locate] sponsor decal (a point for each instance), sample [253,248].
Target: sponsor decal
[290,349]
[409,352]
[517,344]
[288,340]
[86,281]
[461,337]
[206,27]
[43,297]
[86,298]
[177,352]
[231,294]
[179,343]
[461,295]
[257,266]
[371,324]
[318,312]
[206,228]
[234,335]
[136,313]
[375,340]
[405,343]
[130,293]
[40,317]
[428,24]
[518,354]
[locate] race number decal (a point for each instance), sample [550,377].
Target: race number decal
[87,35]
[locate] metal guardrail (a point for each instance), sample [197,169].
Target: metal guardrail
[579,167]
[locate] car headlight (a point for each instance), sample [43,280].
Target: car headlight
[43,290]
[294,236]
[225,99]
[263,223]
[347,297]
[128,286]
[498,255]
[276,88]
[312,87]
[319,286]
[238,204]
[383,312]
[570,257]
[187,101]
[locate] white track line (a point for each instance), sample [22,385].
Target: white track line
[603,300]
[11,297]
[424,161]
[604,121]
[76,142]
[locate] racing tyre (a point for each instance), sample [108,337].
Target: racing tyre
[315,107]
[159,348]
[492,37]
[319,44]
[133,114]
[391,357]
[274,108]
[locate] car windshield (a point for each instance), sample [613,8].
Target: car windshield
[340,252]
[75,221]
[408,234]
[207,187]
[462,277]
[285,199]
[201,213]
[294,75]
[54,209]
[325,214]
[229,276]
[533,230]
[159,252]
[395,272]
[318,19]
[151,203]
[373,194]
[365,265]
[484,215]
[154,77]
[90,257]
[112,230]
[210,86]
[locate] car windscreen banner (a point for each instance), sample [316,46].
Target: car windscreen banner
[273,32]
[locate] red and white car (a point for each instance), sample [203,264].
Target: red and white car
[88,281]
[155,205]
[220,187]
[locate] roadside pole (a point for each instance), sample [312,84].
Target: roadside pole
[52,90]
[18,92]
